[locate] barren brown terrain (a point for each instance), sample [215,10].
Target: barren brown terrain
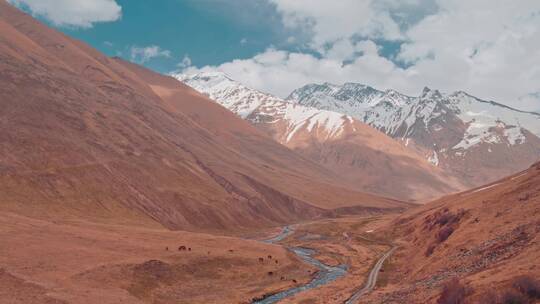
[376,163]
[121,185]
[486,238]
[102,160]
[86,136]
[82,262]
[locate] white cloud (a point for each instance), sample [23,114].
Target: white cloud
[280,72]
[76,13]
[143,54]
[334,20]
[185,63]
[488,48]
[243,41]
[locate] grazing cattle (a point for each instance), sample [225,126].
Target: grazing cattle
[230,250]
[269,257]
[261,260]
[294,281]
[182,248]
[270,273]
[276,261]
[282,278]
[189,249]
[167,248]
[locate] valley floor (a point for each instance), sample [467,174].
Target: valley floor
[82,262]
[352,241]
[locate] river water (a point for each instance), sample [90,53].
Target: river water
[325,275]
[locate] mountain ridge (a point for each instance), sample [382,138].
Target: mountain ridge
[367,157]
[455,130]
[101,139]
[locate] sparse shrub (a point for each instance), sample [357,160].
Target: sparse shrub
[444,234]
[512,296]
[444,219]
[528,286]
[524,290]
[523,197]
[430,250]
[453,293]
[489,297]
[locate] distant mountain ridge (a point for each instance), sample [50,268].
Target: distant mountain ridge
[259,107]
[89,137]
[370,159]
[477,139]
[394,113]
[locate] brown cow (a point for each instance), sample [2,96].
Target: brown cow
[261,260]
[182,248]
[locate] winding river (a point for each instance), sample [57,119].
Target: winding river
[325,275]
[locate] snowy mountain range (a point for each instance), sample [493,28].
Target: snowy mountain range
[258,107]
[477,139]
[400,116]
[368,158]
[474,140]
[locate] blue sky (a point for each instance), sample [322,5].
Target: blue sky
[488,49]
[209,32]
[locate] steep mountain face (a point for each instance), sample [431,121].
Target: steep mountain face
[86,136]
[477,140]
[288,121]
[367,158]
[486,237]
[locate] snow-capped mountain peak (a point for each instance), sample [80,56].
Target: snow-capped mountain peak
[259,107]
[476,140]
[456,131]
[402,116]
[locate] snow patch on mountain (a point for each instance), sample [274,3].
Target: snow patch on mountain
[434,159]
[398,114]
[259,107]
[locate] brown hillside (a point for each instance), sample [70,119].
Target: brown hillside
[485,237]
[87,136]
